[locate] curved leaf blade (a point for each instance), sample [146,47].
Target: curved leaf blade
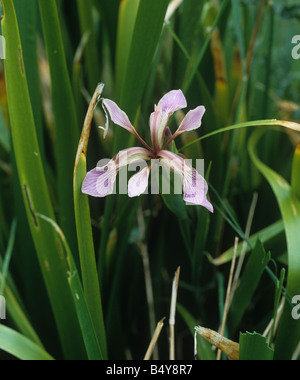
[84,317]
[289,330]
[21,347]
[34,188]
[64,109]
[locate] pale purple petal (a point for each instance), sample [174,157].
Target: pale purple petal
[192,120]
[195,187]
[131,155]
[158,124]
[172,101]
[172,161]
[100,182]
[138,183]
[118,116]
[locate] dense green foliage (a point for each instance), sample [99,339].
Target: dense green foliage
[87,278]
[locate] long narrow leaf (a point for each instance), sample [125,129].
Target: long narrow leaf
[8,255]
[18,316]
[86,324]
[248,283]
[27,22]
[91,58]
[289,330]
[4,134]
[260,123]
[198,60]
[21,347]
[34,187]
[296,171]
[146,34]
[254,347]
[265,235]
[84,231]
[127,16]
[66,123]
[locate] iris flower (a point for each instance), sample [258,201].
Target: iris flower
[100,181]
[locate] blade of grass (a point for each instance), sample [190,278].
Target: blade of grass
[88,332]
[205,94]
[273,324]
[289,330]
[34,187]
[241,92]
[66,123]
[27,20]
[109,14]
[278,292]
[188,32]
[78,77]
[21,347]
[84,230]
[264,236]
[91,58]
[228,214]
[254,347]
[260,123]
[27,262]
[27,17]
[146,34]
[127,16]
[249,281]
[186,85]
[296,171]
[8,254]
[4,134]
[14,307]
[18,315]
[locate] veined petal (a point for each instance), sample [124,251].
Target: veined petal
[172,101]
[138,183]
[172,161]
[192,120]
[131,155]
[195,187]
[158,124]
[100,182]
[118,116]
